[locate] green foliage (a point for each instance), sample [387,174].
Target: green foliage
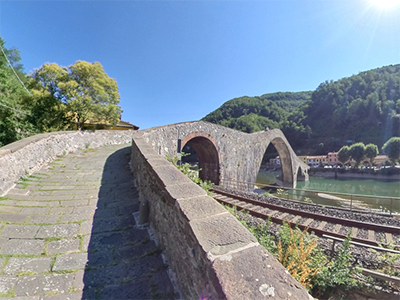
[371,151]
[250,114]
[337,273]
[392,149]
[390,262]
[344,154]
[13,117]
[282,193]
[189,172]
[357,152]
[362,108]
[84,88]
[298,251]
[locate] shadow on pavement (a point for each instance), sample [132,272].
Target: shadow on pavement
[123,263]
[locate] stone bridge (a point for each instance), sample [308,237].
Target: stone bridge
[227,157]
[68,232]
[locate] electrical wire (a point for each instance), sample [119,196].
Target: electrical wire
[16,75]
[20,111]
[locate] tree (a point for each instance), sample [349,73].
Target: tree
[85,89]
[392,149]
[13,123]
[357,152]
[344,154]
[371,151]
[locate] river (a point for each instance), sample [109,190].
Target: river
[354,186]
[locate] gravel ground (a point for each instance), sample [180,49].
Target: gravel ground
[337,212]
[365,257]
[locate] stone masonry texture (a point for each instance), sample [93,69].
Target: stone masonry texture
[68,231]
[23,157]
[228,157]
[209,251]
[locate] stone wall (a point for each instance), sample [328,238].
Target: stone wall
[28,155]
[240,154]
[210,253]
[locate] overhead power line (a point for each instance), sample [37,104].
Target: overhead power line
[16,75]
[20,111]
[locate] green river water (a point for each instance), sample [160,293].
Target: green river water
[365,187]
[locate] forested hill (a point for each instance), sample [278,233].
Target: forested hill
[361,108]
[252,114]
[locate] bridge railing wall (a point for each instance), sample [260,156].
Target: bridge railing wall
[28,155]
[210,253]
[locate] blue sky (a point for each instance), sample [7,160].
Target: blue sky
[177,61]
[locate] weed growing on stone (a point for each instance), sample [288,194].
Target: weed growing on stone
[10,293]
[189,172]
[25,273]
[298,251]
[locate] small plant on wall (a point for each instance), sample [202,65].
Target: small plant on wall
[189,171]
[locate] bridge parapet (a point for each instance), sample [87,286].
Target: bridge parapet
[210,253]
[28,155]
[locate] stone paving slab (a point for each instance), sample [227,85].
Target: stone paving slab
[28,264]
[58,230]
[42,284]
[71,234]
[13,218]
[70,261]
[19,231]
[7,283]
[35,210]
[63,246]
[43,219]
[23,247]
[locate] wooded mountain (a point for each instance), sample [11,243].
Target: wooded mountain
[252,114]
[361,108]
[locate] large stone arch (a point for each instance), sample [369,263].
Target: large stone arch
[229,157]
[208,153]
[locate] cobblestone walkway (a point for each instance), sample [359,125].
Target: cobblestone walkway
[68,232]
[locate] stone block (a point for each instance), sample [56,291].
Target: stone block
[170,175]
[185,191]
[31,264]
[221,233]
[254,274]
[24,247]
[200,207]
[19,231]
[63,245]
[59,230]
[70,261]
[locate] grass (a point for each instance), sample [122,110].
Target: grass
[10,293]
[67,271]
[25,273]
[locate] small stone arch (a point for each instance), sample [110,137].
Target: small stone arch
[286,160]
[208,153]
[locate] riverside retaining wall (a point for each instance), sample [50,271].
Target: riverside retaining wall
[28,155]
[210,253]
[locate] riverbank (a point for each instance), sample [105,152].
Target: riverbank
[388,174]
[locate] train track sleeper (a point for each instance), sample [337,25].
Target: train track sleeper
[371,235]
[307,222]
[337,228]
[354,231]
[389,237]
[322,225]
[362,231]
[283,216]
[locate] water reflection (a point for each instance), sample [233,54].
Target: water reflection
[353,186]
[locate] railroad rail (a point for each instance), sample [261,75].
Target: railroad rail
[317,223]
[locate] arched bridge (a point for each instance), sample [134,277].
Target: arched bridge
[227,157]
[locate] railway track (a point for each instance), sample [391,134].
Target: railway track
[321,224]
